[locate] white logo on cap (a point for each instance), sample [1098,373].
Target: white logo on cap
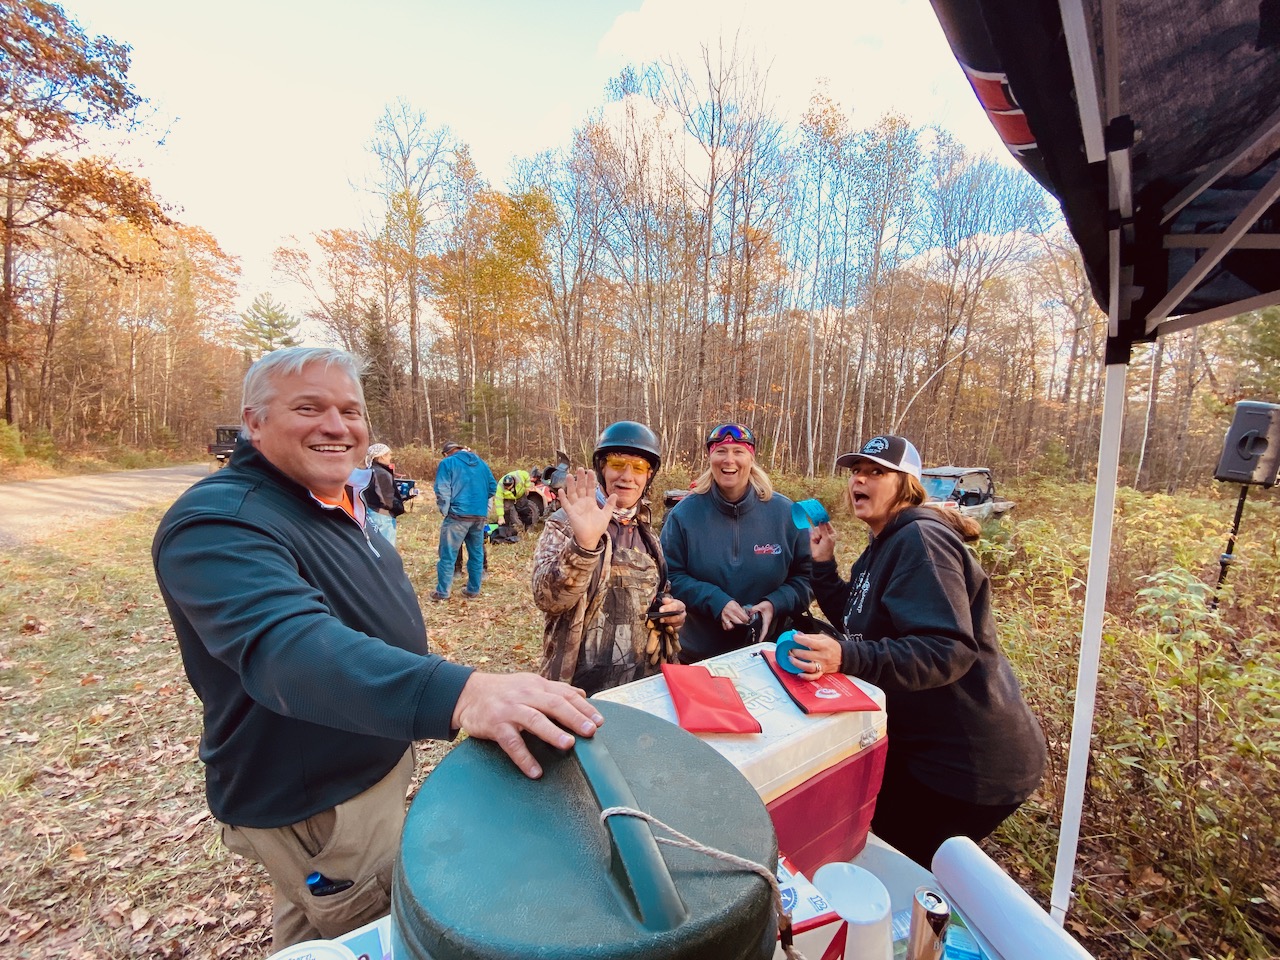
[876,445]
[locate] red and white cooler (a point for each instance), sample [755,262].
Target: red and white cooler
[818,774]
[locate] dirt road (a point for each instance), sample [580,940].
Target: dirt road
[31,508]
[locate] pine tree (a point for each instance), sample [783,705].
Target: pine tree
[266,326]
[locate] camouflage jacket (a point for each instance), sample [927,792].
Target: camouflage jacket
[596,635]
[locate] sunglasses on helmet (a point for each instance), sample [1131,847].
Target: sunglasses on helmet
[734,432]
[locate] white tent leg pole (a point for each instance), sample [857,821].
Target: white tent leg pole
[1095,603]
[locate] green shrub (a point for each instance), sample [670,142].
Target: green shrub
[39,445]
[1053,460]
[165,438]
[123,458]
[416,461]
[1179,853]
[11,449]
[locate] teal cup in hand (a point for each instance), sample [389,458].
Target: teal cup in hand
[782,653]
[809,513]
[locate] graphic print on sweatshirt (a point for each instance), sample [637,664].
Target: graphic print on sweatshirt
[858,592]
[768,549]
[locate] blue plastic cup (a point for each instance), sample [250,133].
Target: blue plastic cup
[809,513]
[787,643]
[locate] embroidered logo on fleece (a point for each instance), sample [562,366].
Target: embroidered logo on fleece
[768,549]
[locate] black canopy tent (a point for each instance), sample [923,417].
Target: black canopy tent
[1157,127]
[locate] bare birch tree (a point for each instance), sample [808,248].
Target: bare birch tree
[414,161]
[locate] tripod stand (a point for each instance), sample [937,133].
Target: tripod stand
[1225,560]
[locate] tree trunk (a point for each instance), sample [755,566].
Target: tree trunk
[1141,479]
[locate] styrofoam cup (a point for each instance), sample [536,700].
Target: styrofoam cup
[862,901]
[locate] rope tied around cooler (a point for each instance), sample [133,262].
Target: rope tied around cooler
[784,919]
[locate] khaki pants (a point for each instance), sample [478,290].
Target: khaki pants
[357,840]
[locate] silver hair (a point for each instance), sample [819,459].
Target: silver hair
[374,452]
[260,381]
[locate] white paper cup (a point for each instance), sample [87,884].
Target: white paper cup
[862,901]
[315,950]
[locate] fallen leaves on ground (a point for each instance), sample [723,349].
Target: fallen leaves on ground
[107,848]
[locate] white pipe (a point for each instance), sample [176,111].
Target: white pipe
[1095,602]
[1222,312]
[1084,71]
[1225,242]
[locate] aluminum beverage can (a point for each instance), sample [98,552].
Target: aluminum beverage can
[930,914]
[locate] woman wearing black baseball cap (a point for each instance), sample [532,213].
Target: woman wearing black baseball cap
[736,558]
[964,749]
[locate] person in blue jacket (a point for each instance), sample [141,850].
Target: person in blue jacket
[304,641]
[734,556]
[464,486]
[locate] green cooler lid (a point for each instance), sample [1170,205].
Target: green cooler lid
[494,866]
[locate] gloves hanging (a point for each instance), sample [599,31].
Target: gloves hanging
[662,643]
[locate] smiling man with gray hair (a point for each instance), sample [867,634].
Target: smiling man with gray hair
[304,640]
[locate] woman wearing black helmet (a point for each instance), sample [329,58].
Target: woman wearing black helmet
[599,574]
[737,560]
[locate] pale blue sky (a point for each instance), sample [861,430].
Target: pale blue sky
[269,104]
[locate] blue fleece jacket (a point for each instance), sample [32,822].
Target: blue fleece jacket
[749,551]
[464,485]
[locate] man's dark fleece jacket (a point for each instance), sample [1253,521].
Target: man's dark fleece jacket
[917,619]
[747,551]
[304,640]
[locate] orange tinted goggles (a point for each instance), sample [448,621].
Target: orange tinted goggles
[620,462]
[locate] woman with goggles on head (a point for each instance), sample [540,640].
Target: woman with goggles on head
[599,574]
[737,560]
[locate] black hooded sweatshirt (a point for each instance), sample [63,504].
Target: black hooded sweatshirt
[917,621]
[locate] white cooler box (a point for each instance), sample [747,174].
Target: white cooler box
[818,774]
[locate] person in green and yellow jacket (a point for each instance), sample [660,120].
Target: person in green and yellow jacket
[512,502]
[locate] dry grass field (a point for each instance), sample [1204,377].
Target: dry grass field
[107,849]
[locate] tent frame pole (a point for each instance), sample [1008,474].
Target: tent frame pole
[1080,47]
[1221,246]
[1216,170]
[1189,320]
[1095,602]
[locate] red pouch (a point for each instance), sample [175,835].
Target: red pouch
[834,693]
[707,704]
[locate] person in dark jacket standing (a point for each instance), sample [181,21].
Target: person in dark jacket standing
[303,639]
[380,496]
[965,751]
[735,557]
[464,486]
